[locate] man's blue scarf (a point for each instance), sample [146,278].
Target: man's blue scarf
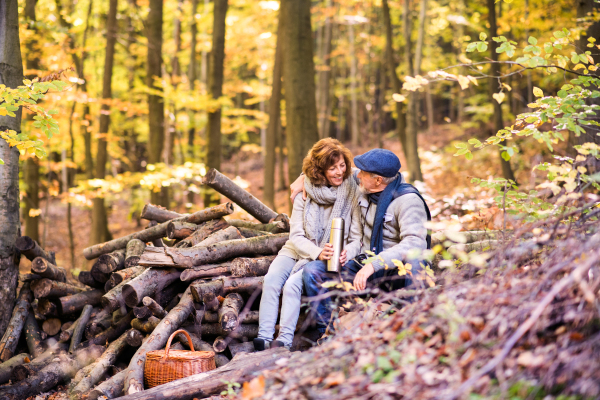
[383,199]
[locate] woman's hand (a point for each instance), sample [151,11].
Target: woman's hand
[343,257]
[327,252]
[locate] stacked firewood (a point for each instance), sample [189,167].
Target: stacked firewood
[95,333]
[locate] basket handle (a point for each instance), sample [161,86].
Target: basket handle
[171,339]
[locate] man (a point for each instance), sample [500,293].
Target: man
[393,226]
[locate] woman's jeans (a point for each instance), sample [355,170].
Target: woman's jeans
[279,278]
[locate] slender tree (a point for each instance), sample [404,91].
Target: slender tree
[299,83]
[192,74]
[11,75]
[324,74]
[507,171]
[100,231]
[215,90]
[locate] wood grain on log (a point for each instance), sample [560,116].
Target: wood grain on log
[7,367]
[51,326]
[146,326]
[272,227]
[134,381]
[79,327]
[31,249]
[203,232]
[180,230]
[242,368]
[110,388]
[113,299]
[214,253]
[205,271]
[135,248]
[246,267]
[49,288]
[154,307]
[46,269]
[228,313]
[147,284]
[74,303]
[11,336]
[87,279]
[156,232]
[220,344]
[248,233]
[201,345]
[222,286]
[32,335]
[154,213]
[123,275]
[228,233]
[241,197]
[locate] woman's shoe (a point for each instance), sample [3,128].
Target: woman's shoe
[261,344]
[278,343]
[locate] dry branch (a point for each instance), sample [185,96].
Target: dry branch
[11,336]
[31,249]
[180,229]
[154,307]
[272,227]
[47,269]
[113,299]
[148,283]
[229,311]
[225,285]
[111,333]
[49,288]
[122,275]
[135,248]
[32,335]
[110,388]
[154,213]
[146,326]
[79,327]
[203,232]
[74,303]
[87,279]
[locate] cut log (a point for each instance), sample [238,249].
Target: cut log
[79,327]
[242,368]
[87,279]
[7,367]
[11,336]
[201,345]
[51,326]
[244,347]
[99,322]
[220,344]
[107,264]
[64,368]
[180,229]
[23,371]
[46,269]
[142,312]
[208,293]
[156,232]
[227,233]
[134,338]
[205,271]
[49,288]
[154,213]
[203,232]
[135,248]
[220,287]
[248,233]
[272,227]
[111,333]
[159,214]
[154,307]
[147,284]
[146,326]
[165,296]
[67,325]
[67,333]
[242,331]
[32,335]
[74,303]
[241,197]
[122,275]
[100,366]
[246,267]
[47,308]
[29,277]
[117,315]
[134,381]
[31,249]
[113,299]
[110,388]
[214,253]
[228,313]
[251,317]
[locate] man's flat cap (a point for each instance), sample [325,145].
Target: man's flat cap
[378,161]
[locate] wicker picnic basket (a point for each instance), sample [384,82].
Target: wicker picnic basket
[167,365]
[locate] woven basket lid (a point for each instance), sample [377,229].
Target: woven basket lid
[179,355]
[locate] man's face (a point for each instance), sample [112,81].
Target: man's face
[368,184]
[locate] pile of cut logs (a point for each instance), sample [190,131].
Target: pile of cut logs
[198,272]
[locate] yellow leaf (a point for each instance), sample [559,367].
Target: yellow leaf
[34,212]
[463,81]
[499,97]
[253,389]
[3,111]
[578,66]
[398,98]
[590,59]
[473,80]
[538,92]
[583,170]
[592,68]
[533,105]
[507,87]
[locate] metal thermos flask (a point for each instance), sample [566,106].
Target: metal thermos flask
[337,240]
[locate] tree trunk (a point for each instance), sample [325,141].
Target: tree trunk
[187,258]
[324,75]
[354,133]
[274,121]
[215,91]
[241,197]
[396,86]
[134,381]
[50,288]
[46,269]
[9,341]
[148,283]
[31,176]
[122,275]
[299,84]
[507,171]
[79,327]
[192,76]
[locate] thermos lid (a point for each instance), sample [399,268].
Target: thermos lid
[337,223]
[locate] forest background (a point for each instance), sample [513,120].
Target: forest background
[154,93]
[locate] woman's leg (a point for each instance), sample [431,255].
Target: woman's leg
[290,309]
[269,303]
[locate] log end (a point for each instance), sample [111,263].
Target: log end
[24,243]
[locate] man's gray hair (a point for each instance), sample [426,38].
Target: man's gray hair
[384,180]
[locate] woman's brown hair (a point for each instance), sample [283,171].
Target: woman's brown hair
[323,155]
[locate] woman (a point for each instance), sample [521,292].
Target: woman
[331,193]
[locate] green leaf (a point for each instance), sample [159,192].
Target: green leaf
[469,156]
[482,36]
[562,94]
[559,34]
[505,156]
[1,161]
[532,40]
[461,152]
[481,47]
[531,119]
[471,47]
[548,48]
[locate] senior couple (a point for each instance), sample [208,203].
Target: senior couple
[382,213]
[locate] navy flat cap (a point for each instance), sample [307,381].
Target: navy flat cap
[379,161]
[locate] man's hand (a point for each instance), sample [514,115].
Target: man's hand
[327,252]
[343,257]
[296,187]
[360,280]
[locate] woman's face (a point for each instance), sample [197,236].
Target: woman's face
[335,173]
